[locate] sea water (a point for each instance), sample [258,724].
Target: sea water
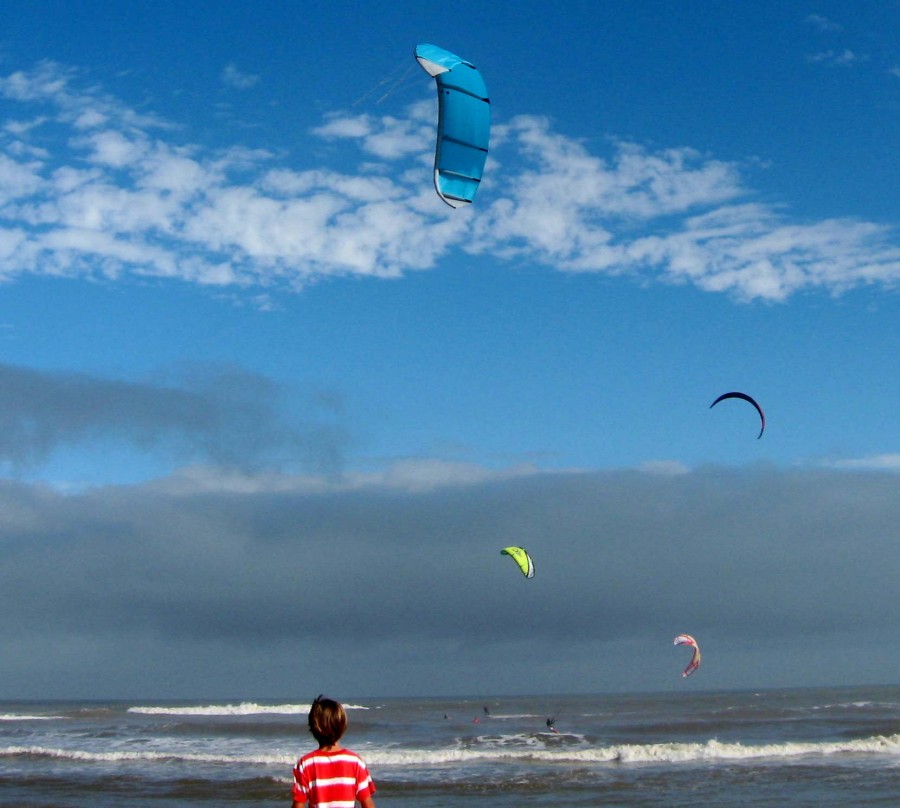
[788,747]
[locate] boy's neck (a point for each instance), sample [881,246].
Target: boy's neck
[332,747]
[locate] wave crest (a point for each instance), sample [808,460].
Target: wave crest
[244,708]
[710,751]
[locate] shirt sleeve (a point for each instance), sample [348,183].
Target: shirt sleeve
[301,788]
[365,786]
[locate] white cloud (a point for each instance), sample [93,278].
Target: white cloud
[565,208]
[23,127]
[238,79]
[11,242]
[106,191]
[115,150]
[51,84]
[90,119]
[841,58]
[751,251]
[18,178]
[822,23]
[879,462]
[46,80]
[387,137]
[408,475]
[666,468]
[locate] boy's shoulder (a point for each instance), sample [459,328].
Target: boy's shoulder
[331,754]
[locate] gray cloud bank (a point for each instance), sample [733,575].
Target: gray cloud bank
[225,416]
[174,588]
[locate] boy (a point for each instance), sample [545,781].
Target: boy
[331,775]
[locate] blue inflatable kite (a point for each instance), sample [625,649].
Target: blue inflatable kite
[464,124]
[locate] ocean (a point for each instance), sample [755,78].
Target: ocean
[822,747]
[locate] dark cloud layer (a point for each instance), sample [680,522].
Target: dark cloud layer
[226,416]
[402,592]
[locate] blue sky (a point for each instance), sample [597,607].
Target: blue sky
[228,287]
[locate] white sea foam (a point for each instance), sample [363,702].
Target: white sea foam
[715,750]
[710,751]
[528,739]
[511,716]
[676,753]
[21,717]
[245,708]
[858,705]
[88,756]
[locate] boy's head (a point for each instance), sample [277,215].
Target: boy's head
[327,721]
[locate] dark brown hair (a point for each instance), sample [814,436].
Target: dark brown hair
[327,721]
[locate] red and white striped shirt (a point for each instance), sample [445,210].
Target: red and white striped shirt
[332,779]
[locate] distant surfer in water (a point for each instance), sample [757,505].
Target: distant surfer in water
[550,722]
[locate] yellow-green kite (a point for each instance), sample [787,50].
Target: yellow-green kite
[521,557]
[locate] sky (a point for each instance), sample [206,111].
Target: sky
[269,409]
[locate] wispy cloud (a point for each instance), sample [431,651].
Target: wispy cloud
[878,462]
[90,187]
[821,23]
[237,79]
[840,58]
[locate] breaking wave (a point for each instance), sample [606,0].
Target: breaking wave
[23,717]
[674,753]
[245,708]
